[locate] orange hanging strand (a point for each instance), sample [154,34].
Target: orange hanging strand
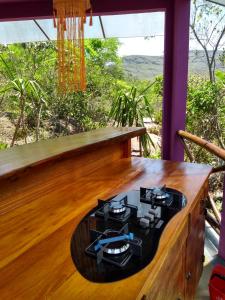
[91,21]
[69,18]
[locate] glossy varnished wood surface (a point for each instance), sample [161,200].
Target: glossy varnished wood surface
[35,261]
[17,159]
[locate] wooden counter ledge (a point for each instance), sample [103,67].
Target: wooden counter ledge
[18,158]
[40,209]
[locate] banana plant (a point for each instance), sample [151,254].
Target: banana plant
[129,109]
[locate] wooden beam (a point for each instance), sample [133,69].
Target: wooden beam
[39,9]
[218,169]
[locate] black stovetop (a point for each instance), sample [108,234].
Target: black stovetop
[120,236]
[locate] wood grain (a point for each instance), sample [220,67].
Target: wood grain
[46,193]
[172,272]
[31,184]
[17,159]
[34,246]
[194,257]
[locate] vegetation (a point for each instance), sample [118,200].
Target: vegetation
[129,109]
[29,98]
[29,95]
[207,26]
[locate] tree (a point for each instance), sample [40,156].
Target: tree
[129,109]
[208,27]
[28,73]
[206,110]
[222,57]
[24,92]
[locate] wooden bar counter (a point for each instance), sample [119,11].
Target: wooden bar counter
[46,188]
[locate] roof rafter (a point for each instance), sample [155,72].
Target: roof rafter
[39,9]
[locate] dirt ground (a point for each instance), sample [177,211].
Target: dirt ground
[6,130]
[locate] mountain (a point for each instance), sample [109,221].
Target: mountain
[147,67]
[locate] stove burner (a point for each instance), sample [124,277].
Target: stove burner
[156,196]
[117,207]
[114,247]
[159,193]
[117,210]
[117,247]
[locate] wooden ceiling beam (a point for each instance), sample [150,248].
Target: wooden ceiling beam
[40,9]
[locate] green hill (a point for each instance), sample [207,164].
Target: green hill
[147,67]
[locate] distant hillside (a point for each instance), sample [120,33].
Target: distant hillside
[147,67]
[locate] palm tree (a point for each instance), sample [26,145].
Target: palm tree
[129,109]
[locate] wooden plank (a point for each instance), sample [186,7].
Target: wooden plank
[35,237]
[41,269]
[194,257]
[31,184]
[172,279]
[19,158]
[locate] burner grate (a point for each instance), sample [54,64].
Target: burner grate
[116,210]
[114,247]
[156,196]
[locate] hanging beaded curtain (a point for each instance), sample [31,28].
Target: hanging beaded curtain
[69,19]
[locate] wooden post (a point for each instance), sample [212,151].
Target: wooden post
[175,77]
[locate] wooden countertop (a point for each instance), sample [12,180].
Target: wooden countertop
[35,260]
[18,158]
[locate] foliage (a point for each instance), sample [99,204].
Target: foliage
[156,96]
[206,113]
[207,27]
[129,109]
[26,93]
[3,146]
[222,57]
[220,76]
[29,93]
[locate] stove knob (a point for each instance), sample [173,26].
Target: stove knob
[144,222]
[150,216]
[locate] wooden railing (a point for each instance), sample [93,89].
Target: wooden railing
[214,217]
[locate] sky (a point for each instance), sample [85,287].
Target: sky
[141,46]
[153,46]
[152,25]
[130,29]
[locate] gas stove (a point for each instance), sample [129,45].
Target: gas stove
[120,236]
